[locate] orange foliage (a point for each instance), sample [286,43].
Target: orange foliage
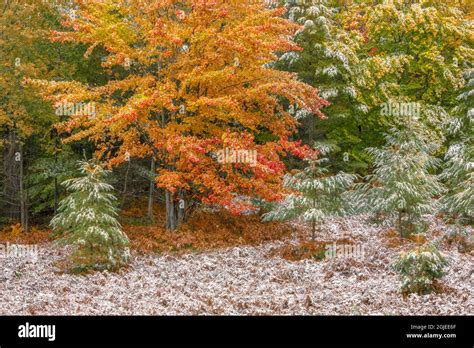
[392,238]
[15,234]
[199,83]
[304,250]
[205,231]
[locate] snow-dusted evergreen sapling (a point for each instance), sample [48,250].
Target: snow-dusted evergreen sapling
[401,188]
[87,219]
[419,268]
[316,195]
[458,172]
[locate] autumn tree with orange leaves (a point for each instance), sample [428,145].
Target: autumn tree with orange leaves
[189,80]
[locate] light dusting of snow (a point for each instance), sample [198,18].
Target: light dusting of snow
[331,71]
[351,91]
[302,113]
[291,57]
[328,93]
[244,280]
[309,23]
[363,108]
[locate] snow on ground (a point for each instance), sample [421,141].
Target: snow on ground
[236,281]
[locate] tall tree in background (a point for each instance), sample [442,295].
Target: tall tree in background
[197,82]
[329,62]
[362,56]
[459,168]
[23,115]
[402,189]
[32,162]
[428,42]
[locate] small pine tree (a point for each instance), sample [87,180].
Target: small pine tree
[419,268]
[401,186]
[316,195]
[458,173]
[87,220]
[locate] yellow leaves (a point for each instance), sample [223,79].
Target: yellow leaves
[16,231]
[170,180]
[184,104]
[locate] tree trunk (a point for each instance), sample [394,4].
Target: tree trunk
[181,207]
[56,195]
[152,188]
[27,204]
[311,126]
[125,184]
[400,230]
[56,186]
[23,210]
[313,223]
[170,215]
[10,176]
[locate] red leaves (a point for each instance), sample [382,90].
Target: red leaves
[131,116]
[296,149]
[223,13]
[144,103]
[180,14]
[177,41]
[199,113]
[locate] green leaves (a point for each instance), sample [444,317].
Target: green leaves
[458,173]
[360,58]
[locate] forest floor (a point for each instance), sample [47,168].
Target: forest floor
[245,279]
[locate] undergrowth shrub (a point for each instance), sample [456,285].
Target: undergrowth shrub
[419,268]
[461,236]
